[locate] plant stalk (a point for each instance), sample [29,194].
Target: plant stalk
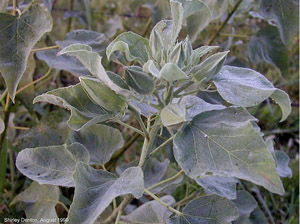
[162,145]
[163,203]
[181,172]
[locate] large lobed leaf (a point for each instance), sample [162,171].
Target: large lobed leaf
[53,164]
[17,37]
[95,189]
[225,143]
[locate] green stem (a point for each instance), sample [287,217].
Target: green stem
[130,127]
[183,87]
[163,203]
[162,145]
[181,172]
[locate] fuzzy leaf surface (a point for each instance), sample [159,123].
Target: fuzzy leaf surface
[17,37]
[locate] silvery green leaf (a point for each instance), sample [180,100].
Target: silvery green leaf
[285,14]
[156,44]
[258,217]
[103,95]
[173,114]
[117,80]
[200,52]
[101,141]
[3,5]
[245,203]
[246,87]
[195,105]
[198,16]
[161,38]
[135,47]
[97,41]
[50,130]
[150,212]
[210,97]
[266,45]
[222,186]
[151,68]
[63,62]
[53,164]
[95,190]
[83,111]
[92,61]
[210,209]
[39,201]
[18,36]
[171,72]
[283,100]
[209,67]
[140,81]
[154,171]
[187,51]
[177,55]
[201,147]
[177,16]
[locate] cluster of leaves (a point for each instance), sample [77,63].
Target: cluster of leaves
[191,110]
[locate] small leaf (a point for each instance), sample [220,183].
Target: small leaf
[171,72]
[200,52]
[101,141]
[282,164]
[117,80]
[209,67]
[286,15]
[177,16]
[95,190]
[151,68]
[135,47]
[211,209]
[201,147]
[83,111]
[151,212]
[39,201]
[53,164]
[156,44]
[140,81]
[258,217]
[177,55]
[17,37]
[161,38]
[173,114]
[103,95]
[246,87]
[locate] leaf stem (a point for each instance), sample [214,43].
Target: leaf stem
[35,81]
[181,172]
[212,39]
[183,87]
[140,121]
[130,127]
[118,217]
[163,203]
[162,145]
[44,48]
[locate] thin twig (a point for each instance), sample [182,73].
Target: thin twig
[130,127]
[181,172]
[44,48]
[163,203]
[212,39]
[162,145]
[35,81]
